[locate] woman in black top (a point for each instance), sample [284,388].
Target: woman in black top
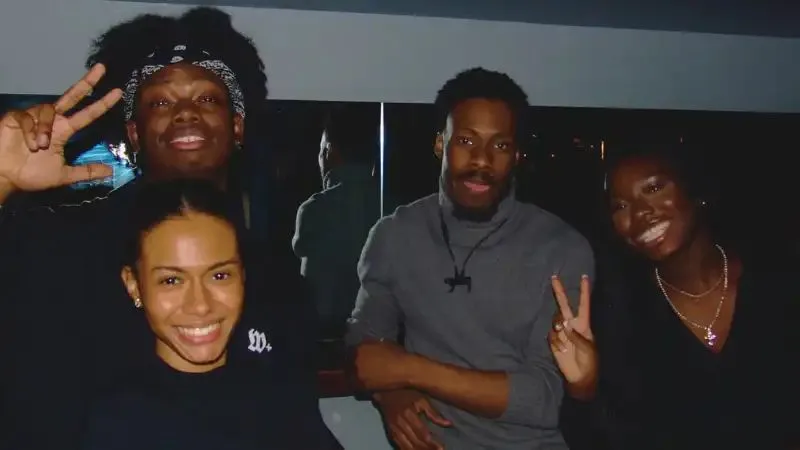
[213,382]
[696,340]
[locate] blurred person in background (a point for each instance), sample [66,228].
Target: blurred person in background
[332,225]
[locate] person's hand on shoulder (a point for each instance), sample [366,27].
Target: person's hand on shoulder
[403,411]
[32,141]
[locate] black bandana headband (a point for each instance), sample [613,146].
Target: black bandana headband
[180,53]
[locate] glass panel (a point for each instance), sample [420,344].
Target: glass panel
[412,169]
[337,185]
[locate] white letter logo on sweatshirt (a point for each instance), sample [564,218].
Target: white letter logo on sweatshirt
[258,341]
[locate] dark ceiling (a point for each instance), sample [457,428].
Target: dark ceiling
[745,17]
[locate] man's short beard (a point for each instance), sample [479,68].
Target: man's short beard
[472,214]
[475,214]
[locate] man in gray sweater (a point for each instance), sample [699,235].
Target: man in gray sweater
[467,273]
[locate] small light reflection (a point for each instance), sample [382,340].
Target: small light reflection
[121,152]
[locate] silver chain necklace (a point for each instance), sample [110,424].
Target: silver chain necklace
[696,297]
[710,337]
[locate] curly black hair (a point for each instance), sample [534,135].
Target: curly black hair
[124,47]
[481,83]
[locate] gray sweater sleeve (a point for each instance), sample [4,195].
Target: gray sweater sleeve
[377,313]
[536,390]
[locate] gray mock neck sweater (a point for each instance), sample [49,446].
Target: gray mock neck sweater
[500,325]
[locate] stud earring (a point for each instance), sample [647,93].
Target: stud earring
[137,302]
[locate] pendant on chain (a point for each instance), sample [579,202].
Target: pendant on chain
[710,337]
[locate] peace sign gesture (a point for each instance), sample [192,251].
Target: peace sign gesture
[571,339]
[32,141]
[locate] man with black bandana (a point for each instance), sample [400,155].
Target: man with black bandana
[68,331]
[468,274]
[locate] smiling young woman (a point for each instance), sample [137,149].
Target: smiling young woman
[694,331]
[183,270]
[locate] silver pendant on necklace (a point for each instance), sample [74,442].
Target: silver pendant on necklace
[710,337]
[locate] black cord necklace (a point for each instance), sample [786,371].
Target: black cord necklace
[459,277]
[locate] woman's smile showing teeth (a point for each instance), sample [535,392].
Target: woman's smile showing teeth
[199,335]
[653,234]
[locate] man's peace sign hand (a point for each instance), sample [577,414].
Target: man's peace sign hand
[572,341]
[32,141]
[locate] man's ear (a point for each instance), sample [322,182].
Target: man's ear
[131,283]
[438,146]
[332,153]
[238,128]
[133,138]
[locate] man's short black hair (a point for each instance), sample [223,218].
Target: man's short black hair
[481,83]
[124,47]
[353,131]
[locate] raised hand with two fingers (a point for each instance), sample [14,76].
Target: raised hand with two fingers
[572,342]
[32,141]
